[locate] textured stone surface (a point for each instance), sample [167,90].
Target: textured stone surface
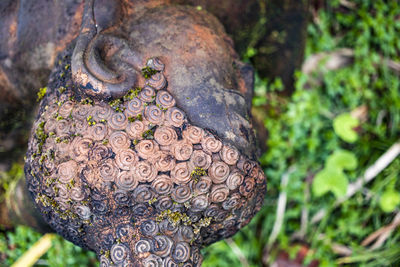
[137,152]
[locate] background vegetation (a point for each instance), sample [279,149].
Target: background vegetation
[343,115]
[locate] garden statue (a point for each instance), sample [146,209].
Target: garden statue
[143,149]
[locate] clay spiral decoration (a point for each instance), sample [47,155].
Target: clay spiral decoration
[181,252]
[67,171]
[63,127]
[136,129]
[152,261]
[232,202]
[145,171]
[50,125]
[83,212]
[199,203]
[182,150]
[126,159]
[66,109]
[174,117]
[218,172]
[167,227]
[98,132]
[234,180]
[185,233]
[155,64]
[164,99]
[164,161]
[143,246]
[165,135]
[200,159]
[62,191]
[229,155]
[77,194]
[134,107]
[180,174]
[80,112]
[162,184]
[163,245]
[146,148]
[219,193]
[119,140]
[203,185]
[247,188]
[154,114]
[181,193]
[118,253]
[107,170]
[143,193]
[126,181]
[164,203]
[81,126]
[150,187]
[193,134]
[118,121]
[52,108]
[157,81]
[80,148]
[99,152]
[149,228]
[121,197]
[101,112]
[147,94]
[211,145]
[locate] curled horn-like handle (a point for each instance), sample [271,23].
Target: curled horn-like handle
[97,64]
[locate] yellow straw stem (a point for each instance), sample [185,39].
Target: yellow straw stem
[35,252]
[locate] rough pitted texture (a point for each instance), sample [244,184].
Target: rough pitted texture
[133,179]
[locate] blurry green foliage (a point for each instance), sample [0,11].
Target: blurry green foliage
[344,125]
[62,252]
[332,177]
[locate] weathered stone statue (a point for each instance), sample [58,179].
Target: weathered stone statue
[143,150]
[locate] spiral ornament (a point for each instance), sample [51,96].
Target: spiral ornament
[162,184]
[147,94]
[157,81]
[174,117]
[218,172]
[229,154]
[180,174]
[149,228]
[211,144]
[119,140]
[165,99]
[126,159]
[126,181]
[118,253]
[67,171]
[181,252]
[146,148]
[118,121]
[154,114]
[193,134]
[134,107]
[165,136]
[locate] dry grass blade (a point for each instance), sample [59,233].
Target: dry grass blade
[238,252]
[381,234]
[35,252]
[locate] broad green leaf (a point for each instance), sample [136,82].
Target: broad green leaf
[343,126]
[330,179]
[389,200]
[342,159]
